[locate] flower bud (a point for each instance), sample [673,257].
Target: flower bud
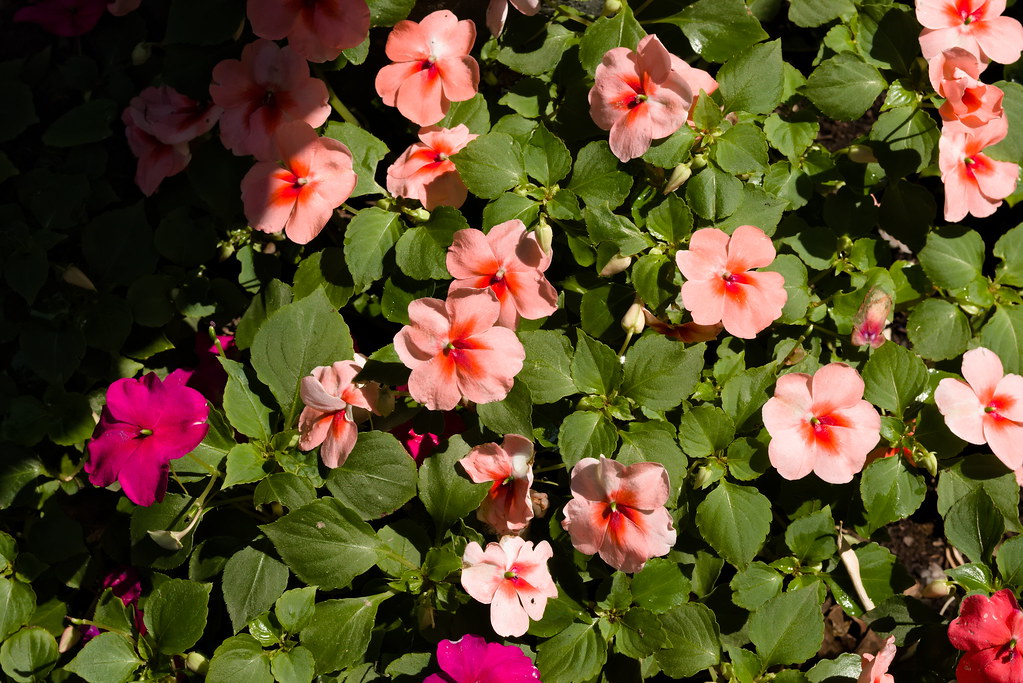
[611,7]
[708,473]
[936,589]
[634,321]
[69,637]
[544,235]
[74,276]
[197,663]
[141,53]
[540,504]
[678,178]
[861,154]
[616,265]
[926,460]
[385,401]
[871,319]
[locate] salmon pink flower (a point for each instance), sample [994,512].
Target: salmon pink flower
[875,667]
[509,262]
[639,97]
[269,86]
[871,319]
[697,80]
[470,659]
[721,286]
[618,511]
[157,160]
[954,74]
[990,632]
[171,117]
[455,351]
[66,18]
[976,25]
[821,424]
[497,12]
[300,197]
[512,577]
[974,183]
[425,172]
[507,507]
[318,30]
[334,404]
[987,408]
[432,67]
[145,424]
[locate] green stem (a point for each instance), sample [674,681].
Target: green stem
[335,101]
[103,627]
[206,466]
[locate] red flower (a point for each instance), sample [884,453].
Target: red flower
[990,632]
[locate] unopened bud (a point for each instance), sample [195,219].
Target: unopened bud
[634,320]
[611,7]
[936,589]
[385,401]
[861,154]
[924,459]
[140,55]
[708,473]
[699,161]
[796,355]
[540,504]
[74,276]
[678,178]
[69,637]
[544,235]
[197,663]
[871,319]
[615,266]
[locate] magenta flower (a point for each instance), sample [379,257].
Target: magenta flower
[146,423]
[990,632]
[470,659]
[318,30]
[507,507]
[67,18]
[420,446]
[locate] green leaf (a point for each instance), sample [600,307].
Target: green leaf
[809,13]
[694,641]
[176,614]
[973,577]
[713,194]
[252,582]
[339,631]
[792,135]
[660,586]
[511,415]
[447,494]
[752,80]
[107,658]
[296,665]
[755,585]
[586,434]
[510,206]
[296,339]
[705,430]
[471,113]
[389,12]
[654,441]
[17,602]
[671,151]
[981,471]
[844,86]
[595,366]
[596,177]
[793,270]
[86,123]
[491,164]
[659,373]
[324,543]
[907,212]
[602,309]
[742,149]
[1011,147]
[271,298]
[1009,248]
[745,393]
[294,609]
[422,251]
[718,29]
[974,525]
[904,140]
[1003,334]
[367,151]
[789,628]
[606,33]
[546,158]
[369,238]
[734,520]
[938,330]
[845,666]
[812,538]
[1010,562]
[545,58]
[653,277]
[28,655]
[893,377]
[290,490]
[575,655]
[245,410]
[953,256]
[245,464]
[240,658]
[547,368]
[377,478]
[327,270]
[671,220]
[618,231]
[640,634]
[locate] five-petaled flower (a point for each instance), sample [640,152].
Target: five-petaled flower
[721,285]
[618,512]
[990,632]
[512,577]
[821,424]
[874,667]
[968,103]
[425,171]
[145,424]
[497,12]
[470,659]
[318,30]
[976,25]
[507,507]
[987,408]
[334,405]
[432,67]
[974,182]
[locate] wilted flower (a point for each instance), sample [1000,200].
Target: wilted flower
[968,102]
[470,659]
[875,667]
[990,632]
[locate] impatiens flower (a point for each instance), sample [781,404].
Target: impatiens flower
[425,172]
[990,633]
[334,404]
[145,424]
[455,351]
[697,80]
[512,577]
[871,319]
[208,377]
[157,160]
[470,659]
[269,86]
[974,183]
[954,73]
[987,408]
[721,286]
[507,507]
[875,667]
[66,18]
[318,30]
[638,97]
[618,511]
[119,8]
[509,262]
[300,195]
[432,67]
[688,333]
[421,445]
[497,12]
[976,25]
[171,117]
[821,424]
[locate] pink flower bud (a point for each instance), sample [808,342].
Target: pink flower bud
[871,319]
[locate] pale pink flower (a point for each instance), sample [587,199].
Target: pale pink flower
[871,319]
[512,577]
[875,667]
[432,67]
[455,351]
[300,195]
[425,171]
[639,97]
[334,405]
[990,633]
[497,12]
[507,507]
[318,30]
[974,183]
[976,25]
[987,408]
[721,285]
[157,160]
[821,424]
[171,117]
[954,74]
[269,86]
[618,512]
[509,262]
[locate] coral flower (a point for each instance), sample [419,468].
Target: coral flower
[269,86]
[425,172]
[987,408]
[300,197]
[976,25]
[974,183]
[639,97]
[334,404]
[432,67]
[455,351]
[696,79]
[318,30]
[618,511]
[871,319]
[171,117]
[821,424]
[145,424]
[497,12]
[875,667]
[508,261]
[990,632]
[66,18]
[507,507]
[470,659]
[954,73]
[512,577]
[721,286]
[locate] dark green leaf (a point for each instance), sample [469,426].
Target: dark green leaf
[894,376]
[339,631]
[586,434]
[718,29]
[789,628]
[938,330]
[447,492]
[240,658]
[108,658]
[491,164]
[28,655]
[573,656]
[694,641]
[606,33]
[752,80]
[844,86]
[659,373]
[252,582]
[377,478]
[176,614]
[734,520]
[547,368]
[367,151]
[369,238]
[596,177]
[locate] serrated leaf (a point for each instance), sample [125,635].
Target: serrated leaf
[752,80]
[491,164]
[734,520]
[789,628]
[252,582]
[694,641]
[659,373]
[893,377]
[369,239]
[844,86]
[447,492]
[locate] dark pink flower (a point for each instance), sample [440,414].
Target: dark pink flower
[157,160]
[425,171]
[145,424]
[171,117]
[420,446]
[990,632]
[124,584]
[67,18]
[316,29]
[507,507]
[470,659]
[208,376]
